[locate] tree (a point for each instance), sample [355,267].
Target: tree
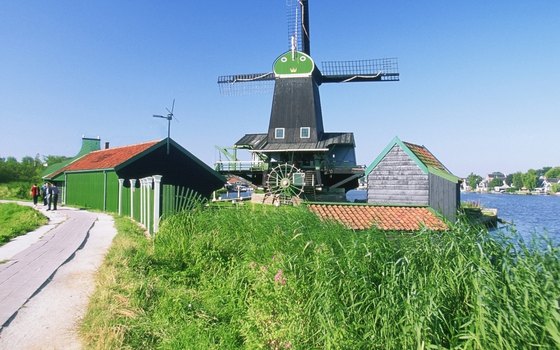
[517,180]
[495,182]
[28,170]
[530,179]
[553,173]
[473,180]
[50,159]
[543,170]
[509,179]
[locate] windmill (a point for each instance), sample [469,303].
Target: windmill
[296,156]
[169,117]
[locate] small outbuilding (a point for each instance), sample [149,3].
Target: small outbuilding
[410,175]
[99,179]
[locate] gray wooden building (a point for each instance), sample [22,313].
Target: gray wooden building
[409,174]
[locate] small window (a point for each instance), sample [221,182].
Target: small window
[279,133]
[298,179]
[305,132]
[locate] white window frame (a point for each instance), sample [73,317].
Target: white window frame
[308,132]
[277,130]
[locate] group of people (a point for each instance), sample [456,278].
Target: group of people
[49,193]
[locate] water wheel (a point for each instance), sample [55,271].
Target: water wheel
[285,183]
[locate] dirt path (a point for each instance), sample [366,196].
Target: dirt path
[50,318]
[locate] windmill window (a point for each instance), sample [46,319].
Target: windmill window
[279,133]
[305,132]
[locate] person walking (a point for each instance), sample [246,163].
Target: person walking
[44,193]
[54,196]
[48,193]
[35,192]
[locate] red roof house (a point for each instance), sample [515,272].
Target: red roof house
[92,180]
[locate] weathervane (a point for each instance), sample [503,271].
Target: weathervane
[169,117]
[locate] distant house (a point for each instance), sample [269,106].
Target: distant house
[482,186]
[96,179]
[408,174]
[547,184]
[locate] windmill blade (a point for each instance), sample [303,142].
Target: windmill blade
[383,69]
[297,14]
[172,108]
[241,84]
[170,112]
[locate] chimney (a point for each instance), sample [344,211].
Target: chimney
[106,144]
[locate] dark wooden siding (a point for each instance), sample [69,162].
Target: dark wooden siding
[444,197]
[398,180]
[295,104]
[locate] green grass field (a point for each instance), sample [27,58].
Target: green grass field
[259,277]
[16,220]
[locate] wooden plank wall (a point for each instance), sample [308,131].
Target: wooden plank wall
[398,180]
[444,197]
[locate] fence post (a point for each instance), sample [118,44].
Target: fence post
[121,182]
[148,183]
[132,189]
[142,204]
[157,199]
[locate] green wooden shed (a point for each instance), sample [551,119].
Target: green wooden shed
[97,179]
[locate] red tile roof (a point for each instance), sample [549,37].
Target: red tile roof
[425,156]
[361,217]
[107,158]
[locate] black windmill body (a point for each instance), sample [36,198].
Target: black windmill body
[296,155]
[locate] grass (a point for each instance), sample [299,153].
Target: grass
[259,277]
[16,220]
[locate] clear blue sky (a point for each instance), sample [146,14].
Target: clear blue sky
[480,80]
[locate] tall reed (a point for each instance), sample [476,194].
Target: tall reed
[279,278]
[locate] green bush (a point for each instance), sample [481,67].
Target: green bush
[260,277]
[15,190]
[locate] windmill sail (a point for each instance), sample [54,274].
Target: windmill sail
[252,83]
[297,13]
[383,69]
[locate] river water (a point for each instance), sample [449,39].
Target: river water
[528,213]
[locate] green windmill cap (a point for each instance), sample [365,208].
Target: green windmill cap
[293,64]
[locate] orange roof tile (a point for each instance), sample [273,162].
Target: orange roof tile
[362,217]
[425,156]
[107,158]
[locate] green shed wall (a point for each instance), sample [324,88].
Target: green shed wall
[125,201]
[96,190]
[112,192]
